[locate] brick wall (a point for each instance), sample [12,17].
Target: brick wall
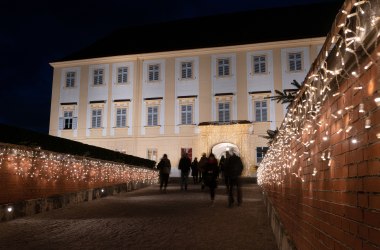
[27,173]
[323,181]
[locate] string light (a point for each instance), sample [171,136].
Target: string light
[377,101]
[361,108]
[48,166]
[311,102]
[367,123]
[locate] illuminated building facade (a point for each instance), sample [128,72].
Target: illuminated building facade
[195,92]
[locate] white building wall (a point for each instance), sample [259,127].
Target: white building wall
[260,82]
[223,84]
[151,90]
[186,87]
[98,93]
[122,92]
[69,95]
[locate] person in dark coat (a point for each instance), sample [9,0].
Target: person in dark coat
[185,166]
[164,167]
[221,165]
[234,169]
[225,172]
[201,165]
[211,172]
[194,170]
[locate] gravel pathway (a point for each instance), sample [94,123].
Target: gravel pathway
[147,219]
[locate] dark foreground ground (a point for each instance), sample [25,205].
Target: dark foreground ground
[148,219]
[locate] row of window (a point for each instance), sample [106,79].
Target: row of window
[186,114]
[259,62]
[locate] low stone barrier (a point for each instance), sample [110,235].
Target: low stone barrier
[35,206]
[284,242]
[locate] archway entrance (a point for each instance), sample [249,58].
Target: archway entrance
[220,149]
[216,138]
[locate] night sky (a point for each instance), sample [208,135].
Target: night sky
[34,33]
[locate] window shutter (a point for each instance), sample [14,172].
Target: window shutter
[264,115]
[298,64]
[119,77]
[155,117]
[227,69]
[75,122]
[227,110]
[263,67]
[61,123]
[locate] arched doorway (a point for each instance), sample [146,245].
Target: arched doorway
[220,149]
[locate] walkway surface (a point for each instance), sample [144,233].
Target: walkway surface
[147,219]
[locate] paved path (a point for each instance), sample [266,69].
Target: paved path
[147,219]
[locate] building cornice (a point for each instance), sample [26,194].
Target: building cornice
[191,52]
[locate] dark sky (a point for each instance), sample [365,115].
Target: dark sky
[34,33]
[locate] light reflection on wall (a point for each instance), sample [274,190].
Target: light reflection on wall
[345,57]
[42,165]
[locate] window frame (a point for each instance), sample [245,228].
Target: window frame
[70,81]
[262,152]
[186,113]
[151,115]
[187,69]
[121,119]
[224,111]
[295,60]
[224,68]
[265,63]
[68,120]
[98,77]
[155,72]
[120,75]
[98,118]
[261,108]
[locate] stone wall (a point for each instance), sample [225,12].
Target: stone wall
[40,205]
[30,173]
[322,174]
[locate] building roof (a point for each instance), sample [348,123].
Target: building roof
[258,26]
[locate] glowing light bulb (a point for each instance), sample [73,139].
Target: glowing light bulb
[348,129]
[361,108]
[377,101]
[314,172]
[325,136]
[354,140]
[367,123]
[9,209]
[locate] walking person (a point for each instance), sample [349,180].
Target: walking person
[225,172]
[221,165]
[234,169]
[194,170]
[185,166]
[164,167]
[210,175]
[201,165]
